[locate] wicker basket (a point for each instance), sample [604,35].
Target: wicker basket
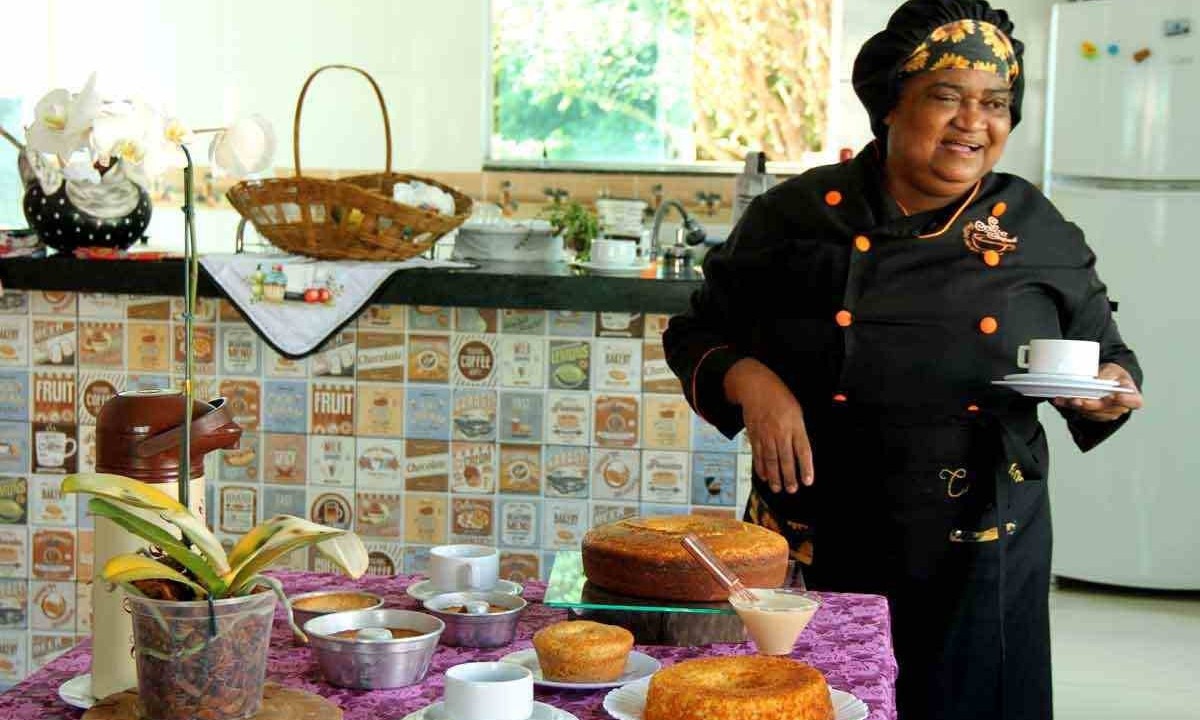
[352,218]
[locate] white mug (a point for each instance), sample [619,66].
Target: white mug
[488,691]
[53,448]
[618,253]
[1078,358]
[464,567]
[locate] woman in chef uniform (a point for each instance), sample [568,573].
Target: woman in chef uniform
[852,324]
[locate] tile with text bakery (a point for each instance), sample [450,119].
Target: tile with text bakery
[381,316]
[570,323]
[429,359]
[52,553]
[521,416]
[657,376]
[14,395]
[563,523]
[616,474]
[380,514]
[473,520]
[242,463]
[244,398]
[425,520]
[473,415]
[608,512]
[520,522]
[475,360]
[15,555]
[241,350]
[102,344]
[149,346]
[427,413]
[380,410]
[53,302]
[331,461]
[336,358]
[14,501]
[379,464]
[568,417]
[667,422]
[473,467]
[332,408]
[665,477]
[55,341]
[284,500]
[617,365]
[426,466]
[14,341]
[569,364]
[522,361]
[521,469]
[384,559]
[237,508]
[619,324]
[204,349]
[523,322]
[332,507]
[381,356]
[47,504]
[428,317]
[519,567]
[475,320]
[617,421]
[285,406]
[14,450]
[567,471]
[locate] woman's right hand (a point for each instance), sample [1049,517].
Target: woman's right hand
[774,424]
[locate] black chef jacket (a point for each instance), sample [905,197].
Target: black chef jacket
[930,482]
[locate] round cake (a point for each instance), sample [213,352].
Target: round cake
[643,556]
[739,688]
[582,651]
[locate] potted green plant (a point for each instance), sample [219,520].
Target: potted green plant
[202,617]
[578,226]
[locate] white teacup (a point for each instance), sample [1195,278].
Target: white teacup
[488,691]
[53,447]
[1078,358]
[464,567]
[618,253]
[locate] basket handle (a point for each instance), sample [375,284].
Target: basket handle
[387,126]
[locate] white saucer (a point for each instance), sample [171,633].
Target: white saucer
[1055,378]
[77,692]
[602,269]
[424,589]
[640,665]
[541,711]
[629,703]
[1086,390]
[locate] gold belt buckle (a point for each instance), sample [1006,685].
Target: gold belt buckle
[981,536]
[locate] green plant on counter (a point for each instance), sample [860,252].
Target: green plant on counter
[194,566]
[578,226]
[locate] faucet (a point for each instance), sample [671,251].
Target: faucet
[691,233]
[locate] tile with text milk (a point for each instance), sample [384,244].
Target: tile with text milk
[522,361]
[331,461]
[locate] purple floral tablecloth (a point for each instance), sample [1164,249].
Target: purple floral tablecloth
[849,640]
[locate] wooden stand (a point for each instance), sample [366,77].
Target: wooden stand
[279,703]
[655,627]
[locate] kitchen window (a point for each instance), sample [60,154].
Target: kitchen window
[658,84]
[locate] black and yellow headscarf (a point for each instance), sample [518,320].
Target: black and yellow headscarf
[925,35]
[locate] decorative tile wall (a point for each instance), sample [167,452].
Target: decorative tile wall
[415,426]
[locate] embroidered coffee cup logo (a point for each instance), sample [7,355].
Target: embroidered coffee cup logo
[982,236]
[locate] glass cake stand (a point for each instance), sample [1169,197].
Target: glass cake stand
[569,588]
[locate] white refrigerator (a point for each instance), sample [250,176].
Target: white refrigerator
[1123,162]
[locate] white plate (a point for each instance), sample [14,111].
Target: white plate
[612,269]
[629,703]
[541,711]
[640,665]
[1049,389]
[77,692]
[424,589]
[1050,377]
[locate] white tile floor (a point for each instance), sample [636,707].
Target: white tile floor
[1125,655]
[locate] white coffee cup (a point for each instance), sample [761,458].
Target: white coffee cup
[464,567]
[53,448]
[1078,358]
[617,253]
[488,691]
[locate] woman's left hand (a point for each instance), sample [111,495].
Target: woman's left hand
[1109,407]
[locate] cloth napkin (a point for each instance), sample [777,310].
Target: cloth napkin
[297,303]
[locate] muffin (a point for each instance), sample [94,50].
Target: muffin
[582,651]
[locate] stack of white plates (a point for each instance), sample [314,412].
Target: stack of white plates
[528,241]
[1050,385]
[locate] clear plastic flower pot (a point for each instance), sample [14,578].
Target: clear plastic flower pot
[196,660]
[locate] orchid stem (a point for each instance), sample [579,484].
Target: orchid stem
[190,278]
[17,143]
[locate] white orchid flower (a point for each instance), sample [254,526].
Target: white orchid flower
[62,121]
[145,143]
[245,147]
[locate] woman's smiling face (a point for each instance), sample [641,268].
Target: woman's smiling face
[948,130]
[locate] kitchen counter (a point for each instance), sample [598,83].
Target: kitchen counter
[491,285]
